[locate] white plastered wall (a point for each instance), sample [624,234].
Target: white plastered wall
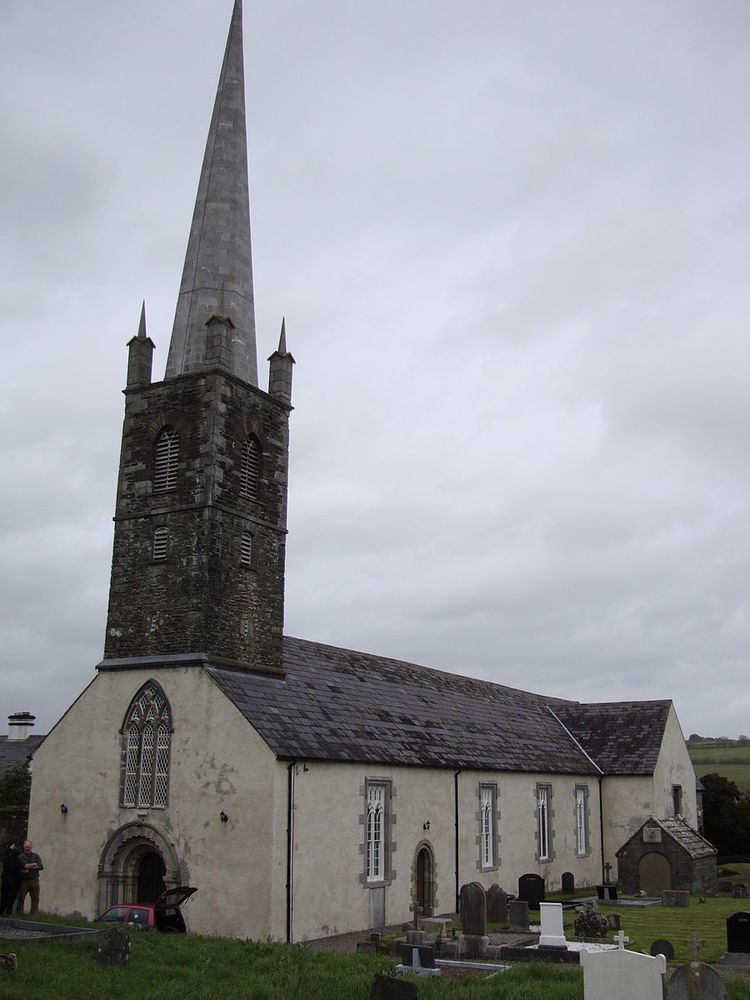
[218,763]
[629,800]
[329,895]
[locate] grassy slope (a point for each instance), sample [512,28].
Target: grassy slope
[731,760]
[173,967]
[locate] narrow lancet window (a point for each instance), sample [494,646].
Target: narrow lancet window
[376,832]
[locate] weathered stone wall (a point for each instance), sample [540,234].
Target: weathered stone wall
[689,874]
[201,598]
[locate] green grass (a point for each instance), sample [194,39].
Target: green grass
[677,925]
[177,967]
[731,762]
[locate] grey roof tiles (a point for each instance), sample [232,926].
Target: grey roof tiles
[341,705]
[623,737]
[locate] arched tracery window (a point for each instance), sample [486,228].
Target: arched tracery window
[166,456]
[252,457]
[146,739]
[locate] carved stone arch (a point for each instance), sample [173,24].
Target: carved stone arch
[118,864]
[424,877]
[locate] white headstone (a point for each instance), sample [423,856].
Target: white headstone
[622,975]
[553,935]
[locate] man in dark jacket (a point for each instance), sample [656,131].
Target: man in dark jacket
[11,880]
[32,865]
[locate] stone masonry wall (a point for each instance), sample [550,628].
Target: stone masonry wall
[690,874]
[200,598]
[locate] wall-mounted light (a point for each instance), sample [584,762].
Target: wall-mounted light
[63,809]
[426,826]
[223,817]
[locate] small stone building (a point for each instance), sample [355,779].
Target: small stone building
[666,854]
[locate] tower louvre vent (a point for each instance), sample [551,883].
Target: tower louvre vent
[246,551]
[161,539]
[250,473]
[165,460]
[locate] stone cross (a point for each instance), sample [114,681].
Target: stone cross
[607,870]
[417,910]
[695,946]
[621,940]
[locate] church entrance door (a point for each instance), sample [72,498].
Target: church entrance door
[424,873]
[654,873]
[151,871]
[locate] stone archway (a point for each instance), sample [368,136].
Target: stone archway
[424,878]
[654,873]
[137,857]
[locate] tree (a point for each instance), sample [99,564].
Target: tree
[15,786]
[726,815]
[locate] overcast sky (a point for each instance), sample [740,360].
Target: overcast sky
[511,244]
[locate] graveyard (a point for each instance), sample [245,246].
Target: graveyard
[196,967]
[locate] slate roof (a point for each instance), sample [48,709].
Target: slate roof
[16,751]
[623,737]
[339,705]
[695,845]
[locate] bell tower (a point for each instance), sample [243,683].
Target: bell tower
[200,517]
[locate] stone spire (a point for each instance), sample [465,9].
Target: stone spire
[140,354]
[214,324]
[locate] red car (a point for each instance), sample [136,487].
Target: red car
[164,914]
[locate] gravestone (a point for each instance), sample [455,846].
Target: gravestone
[114,948]
[697,980]
[390,988]
[662,947]
[8,963]
[473,909]
[531,888]
[605,891]
[553,935]
[568,882]
[497,904]
[613,921]
[738,932]
[622,975]
[675,897]
[519,914]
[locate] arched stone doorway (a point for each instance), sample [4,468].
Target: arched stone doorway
[151,871]
[424,879]
[137,864]
[654,873]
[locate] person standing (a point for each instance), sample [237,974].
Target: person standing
[11,880]
[32,865]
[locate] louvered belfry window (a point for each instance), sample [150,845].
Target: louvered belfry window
[161,538]
[246,550]
[147,736]
[166,455]
[252,457]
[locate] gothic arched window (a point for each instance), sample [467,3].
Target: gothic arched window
[166,455]
[252,457]
[146,739]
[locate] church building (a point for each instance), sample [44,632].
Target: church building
[305,790]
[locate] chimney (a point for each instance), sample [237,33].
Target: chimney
[20,725]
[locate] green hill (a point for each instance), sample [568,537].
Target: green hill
[729,758]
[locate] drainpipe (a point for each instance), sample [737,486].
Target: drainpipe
[455,813]
[601,826]
[289,849]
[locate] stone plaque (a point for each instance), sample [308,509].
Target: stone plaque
[652,835]
[531,888]
[497,905]
[473,909]
[738,932]
[697,980]
[662,947]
